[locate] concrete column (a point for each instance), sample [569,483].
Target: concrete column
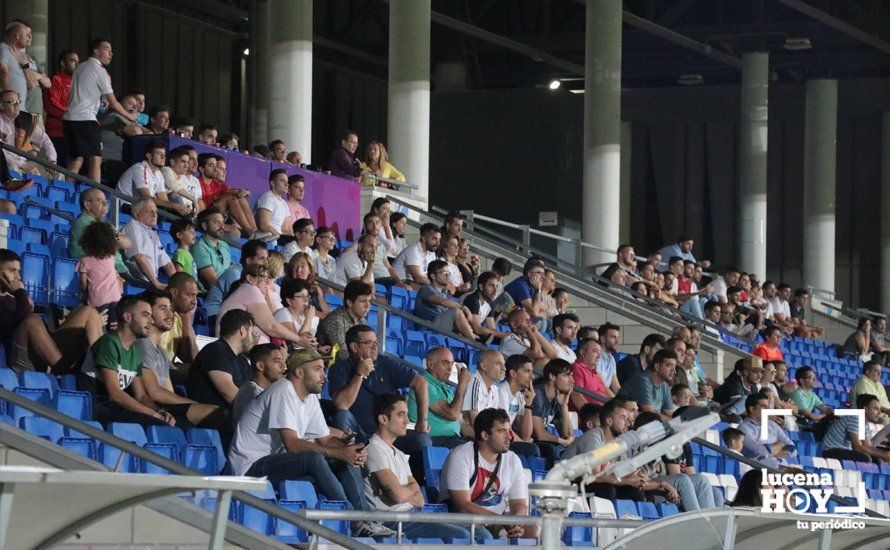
[290,76]
[258,64]
[820,169]
[752,162]
[602,129]
[409,91]
[624,217]
[885,213]
[36,13]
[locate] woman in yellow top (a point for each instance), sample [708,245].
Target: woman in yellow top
[376,163]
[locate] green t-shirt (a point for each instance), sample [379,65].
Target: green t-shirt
[108,352]
[805,401]
[183,257]
[75,251]
[438,391]
[219,257]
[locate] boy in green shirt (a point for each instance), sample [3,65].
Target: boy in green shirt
[183,232]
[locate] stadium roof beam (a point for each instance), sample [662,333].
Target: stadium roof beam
[838,24]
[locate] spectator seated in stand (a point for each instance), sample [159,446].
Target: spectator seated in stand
[651,390]
[585,375]
[809,405]
[93,208]
[412,262]
[482,392]
[303,230]
[858,344]
[250,293]
[632,365]
[296,191]
[158,120]
[21,131]
[844,441]
[880,350]
[768,350]
[333,328]
[252,253]
[297,314]
[481,310]
[357,262]
[565,327]
[389,485]
[525,291]
[231,202]
[382,270]
[516,396]
[870,383]
[212,255]
[434,304]
[282,435]
[147,257]
[273,221]
[744,380]
[268,364]
[449,246]
[776,447]
[485,477]
[553,394]
[447,424]
[29,345]
[112,372]
[525,339]
[609,336]
[377,165]
[355,381]
[220,368]
[182,187]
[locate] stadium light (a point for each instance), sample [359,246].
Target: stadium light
[554,84]
[246,51]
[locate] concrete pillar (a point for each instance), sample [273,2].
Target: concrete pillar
[885,213]
[290,76]
[602,129]
[258,64]
[752,162]
[36,13]
[624,217]
[409,91]
[820,168]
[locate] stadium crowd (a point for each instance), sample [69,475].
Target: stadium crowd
[298,389]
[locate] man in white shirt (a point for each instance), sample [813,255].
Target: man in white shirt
[181,186]
[144,180]
[485,477]
[37,142]
[482,392]
[303,230]
[272,213]
[565,327]
[89,85]
[524,339]
[147,255]
[357,262]
[731,276]
[383,271]
[282,435]
[607,367]
[411,263]
[389,485]
[516,395]
[269,363]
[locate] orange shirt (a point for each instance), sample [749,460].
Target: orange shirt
[768,354]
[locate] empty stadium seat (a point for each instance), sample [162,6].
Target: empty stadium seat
[86,447]
[647,510]
[35,276]
[8,379]
[626,509]
[287,532]
[166,450]
[256,519]
[167,434]
[341,526]
[203,458]
[42,427]
[203,436]
[111,456]
[667,509]
[433,459]
[66,283]
[40,380]
[578,535]
[39,395]
[295,490]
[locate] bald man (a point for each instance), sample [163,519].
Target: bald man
[482,392]
[445,420]
[93,208]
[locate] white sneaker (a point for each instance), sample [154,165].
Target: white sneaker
[372,529]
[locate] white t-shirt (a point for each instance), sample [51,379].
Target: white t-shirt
[781,306]
[284,315]
[141,176]
[246,393]
[459,468]
[720,287]
[280,212]
[565,352]
[413,255]
[391,245]
[513,403]
[384,457]
[257,435]
[454,276]
[514,345]
[145,242]
[350,266]
[291,248]
[185,182]
[88,85]
[478,397]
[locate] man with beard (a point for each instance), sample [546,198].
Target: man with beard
[112,371]
[180,341]
[156,368]
[212,255]
[553,394]
[269,364]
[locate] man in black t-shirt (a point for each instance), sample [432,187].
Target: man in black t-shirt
[483,320]
[221,367]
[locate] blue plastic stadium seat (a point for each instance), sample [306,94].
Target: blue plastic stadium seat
[209,504]
[433,460]
[398,298]
[33,235]
[70,432]
[130,432]
[40,380]
[7,419]
[647,510]
[667,509]
[203,458]
[39,395]
[435,508]
[68,382]
[35,276]
[578,535]
[303,491]
[42,427]
[415,343]
[341,526]
[256,519]
[285,531]
[8,379]
[204,436]
[83,446]
[76,404]
[536,463]
[426,540]
[626,508]
[66,283]
[167,434]
[166,450]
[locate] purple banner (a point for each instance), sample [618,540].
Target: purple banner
[332,201]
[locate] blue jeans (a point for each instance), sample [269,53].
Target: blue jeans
[333,479]
[695,490]
[442,531]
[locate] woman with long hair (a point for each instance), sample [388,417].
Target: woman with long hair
[249,294]
[302,266]
[377,164]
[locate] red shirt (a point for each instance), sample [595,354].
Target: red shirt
[590,380]
[55,103]
[212,190]
[767,353]
[684,286]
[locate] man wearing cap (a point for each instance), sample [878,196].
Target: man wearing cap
[282,435]
[744,381]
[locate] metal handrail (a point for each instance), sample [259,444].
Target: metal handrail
[176,468]
[391,181]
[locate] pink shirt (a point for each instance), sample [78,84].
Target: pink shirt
[588,379]
[104,286]
[297,210]
[245,295]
